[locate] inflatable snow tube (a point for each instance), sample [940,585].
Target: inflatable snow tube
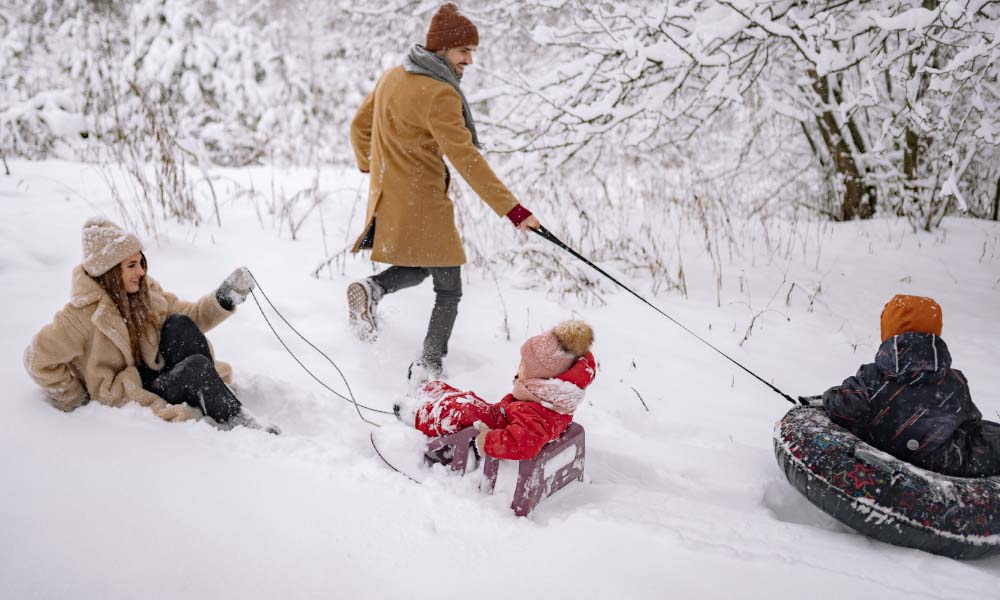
[882,496]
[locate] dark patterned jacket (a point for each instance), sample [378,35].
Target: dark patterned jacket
[909,402]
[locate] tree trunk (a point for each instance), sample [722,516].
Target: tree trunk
[852,205]
[996,202]
[912,143]
[915,145]
[865,210]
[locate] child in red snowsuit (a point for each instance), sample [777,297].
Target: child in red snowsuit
[556,367]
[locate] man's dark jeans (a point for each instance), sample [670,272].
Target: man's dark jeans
[448,293]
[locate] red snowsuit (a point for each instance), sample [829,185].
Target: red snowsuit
[518,428]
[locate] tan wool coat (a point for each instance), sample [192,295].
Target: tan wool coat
[400,134]
[85,351]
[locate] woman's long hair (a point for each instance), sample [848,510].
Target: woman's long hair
[134,308]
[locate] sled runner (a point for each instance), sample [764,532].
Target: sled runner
[558,464]
[402,450]
[884,497]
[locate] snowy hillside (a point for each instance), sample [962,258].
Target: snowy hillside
[684,499]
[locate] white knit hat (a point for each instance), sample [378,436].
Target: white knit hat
[105,244]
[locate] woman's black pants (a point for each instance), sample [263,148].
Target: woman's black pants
[189,375]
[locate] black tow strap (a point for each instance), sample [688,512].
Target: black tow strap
[545,233]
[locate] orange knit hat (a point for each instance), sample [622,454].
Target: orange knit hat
[910,313]
[450,29]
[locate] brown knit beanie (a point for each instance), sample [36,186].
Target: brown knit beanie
[450,29]
[904,313]
[105,244]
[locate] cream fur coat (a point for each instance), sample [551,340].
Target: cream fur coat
[85,351]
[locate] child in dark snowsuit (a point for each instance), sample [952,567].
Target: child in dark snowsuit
[556,367]
[911,403]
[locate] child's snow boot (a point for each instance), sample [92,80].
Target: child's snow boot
[405,409]
[424,370]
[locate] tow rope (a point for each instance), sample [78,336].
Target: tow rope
[352,399]
[545,233]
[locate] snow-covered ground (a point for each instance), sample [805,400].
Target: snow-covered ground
[684,500]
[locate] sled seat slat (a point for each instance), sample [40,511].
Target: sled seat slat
[533,485]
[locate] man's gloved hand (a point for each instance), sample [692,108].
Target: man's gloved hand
[235,289]
[530,223]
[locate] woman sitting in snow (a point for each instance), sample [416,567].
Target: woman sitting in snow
[911,403]
[122,338]
[556,367]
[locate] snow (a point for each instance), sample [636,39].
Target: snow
[913,19]
[55,110]
[683,500]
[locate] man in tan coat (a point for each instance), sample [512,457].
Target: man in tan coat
[416,116]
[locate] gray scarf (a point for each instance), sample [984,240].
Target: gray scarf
[422,61]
